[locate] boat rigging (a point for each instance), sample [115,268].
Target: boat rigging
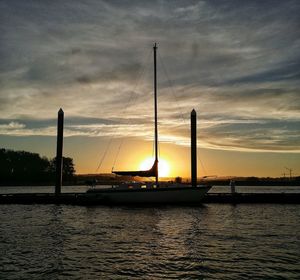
[153,171]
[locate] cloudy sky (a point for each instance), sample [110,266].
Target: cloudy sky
[236,62]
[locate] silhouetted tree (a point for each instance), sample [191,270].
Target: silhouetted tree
[68,171]
[20,167]
[178,180]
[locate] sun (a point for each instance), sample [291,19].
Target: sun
[163,166]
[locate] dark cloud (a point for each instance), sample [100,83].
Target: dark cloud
[128,72]
[234,61]
[286,72]
[263,135]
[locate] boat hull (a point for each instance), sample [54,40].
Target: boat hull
[165,195]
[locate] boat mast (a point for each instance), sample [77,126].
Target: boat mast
[155,115]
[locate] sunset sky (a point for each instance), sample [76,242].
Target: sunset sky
[237,63]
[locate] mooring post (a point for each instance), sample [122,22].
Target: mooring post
[194,148]
[59,151]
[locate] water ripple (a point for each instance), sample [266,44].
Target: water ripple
[210,242]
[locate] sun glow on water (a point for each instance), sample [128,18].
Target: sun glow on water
[163,166]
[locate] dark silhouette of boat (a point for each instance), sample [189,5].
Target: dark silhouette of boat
[150,192]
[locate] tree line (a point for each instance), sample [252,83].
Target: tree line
[20,167]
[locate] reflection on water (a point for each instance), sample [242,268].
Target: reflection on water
[208,242]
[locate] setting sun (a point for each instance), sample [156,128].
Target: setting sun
[163,166]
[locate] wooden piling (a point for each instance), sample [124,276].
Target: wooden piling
[194,147]
[59,151]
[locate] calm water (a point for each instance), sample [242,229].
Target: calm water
[209,242]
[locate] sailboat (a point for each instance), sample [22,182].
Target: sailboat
[151,193]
